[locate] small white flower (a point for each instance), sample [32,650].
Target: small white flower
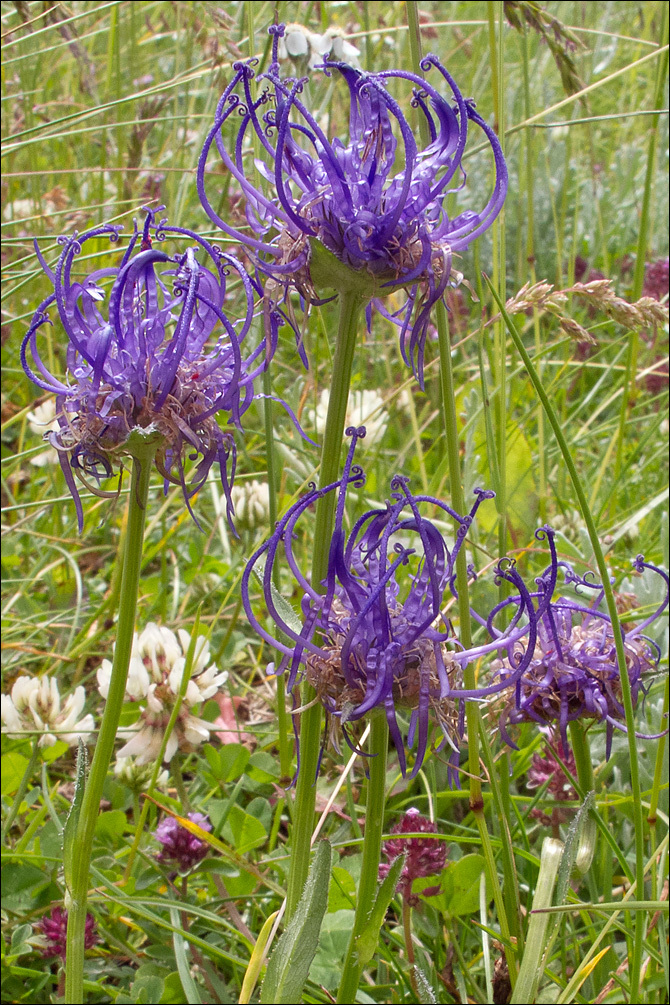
[42,420]
[35,706]
[251,502]
[364,408]
[300,44]
[137,776]
[156,671]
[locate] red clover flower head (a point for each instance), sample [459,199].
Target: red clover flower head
[54,930]
[425,856]
[373,638]
[181,849]
[155,366]
[573,672]
[367,212]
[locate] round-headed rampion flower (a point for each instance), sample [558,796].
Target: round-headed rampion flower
[53,932]
[156,367]
[181,849]
[155,674]
[374,637]
[425,856]
[35,706]
[366,213]
[573,673]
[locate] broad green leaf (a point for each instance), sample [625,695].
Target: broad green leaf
[290,962]
[460,885]
[342,891]
[243,831]
[227,762]
[13,769]
[326,968]
[111,825]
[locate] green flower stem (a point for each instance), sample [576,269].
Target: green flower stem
[285,728]
[372,844]
[627,698]
[22,789]
[139,491]
[351,309]
[582,755]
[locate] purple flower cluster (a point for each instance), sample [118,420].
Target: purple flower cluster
[375,200]
[162,361]
[425,856]
[373,635]
[54,930]
[573,672]
[181,849]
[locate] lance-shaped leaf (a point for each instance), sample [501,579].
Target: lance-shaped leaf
[290,962]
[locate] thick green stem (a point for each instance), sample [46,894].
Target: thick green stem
[22,789]
[372,844]
[351,308]
[139,491]
[626,694]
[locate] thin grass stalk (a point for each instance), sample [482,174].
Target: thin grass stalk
[139,492]
[628,398]
[627,698]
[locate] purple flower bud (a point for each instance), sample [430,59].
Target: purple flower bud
[372,204]
[54,930]
[181,849]
[157,364]
[425,856]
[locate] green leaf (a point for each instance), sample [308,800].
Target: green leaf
[326,967]
[366,943]
[243,831]
[284,609]
[290,962]
[460,885]
[227,762]
[173,993]
[342,891]
[191,989]
[13,769]
[70,829]
[110,826]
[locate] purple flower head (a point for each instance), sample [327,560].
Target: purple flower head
[366,212]
[54,930]
[657,278]
[373,636]
[181,849]
[151,356]
[573,672]
[425,856]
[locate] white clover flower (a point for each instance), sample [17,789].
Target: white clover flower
[364,408]
[155,674]
[300,44]
[42,420]
[251,501]
[35,705]
[137,776]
